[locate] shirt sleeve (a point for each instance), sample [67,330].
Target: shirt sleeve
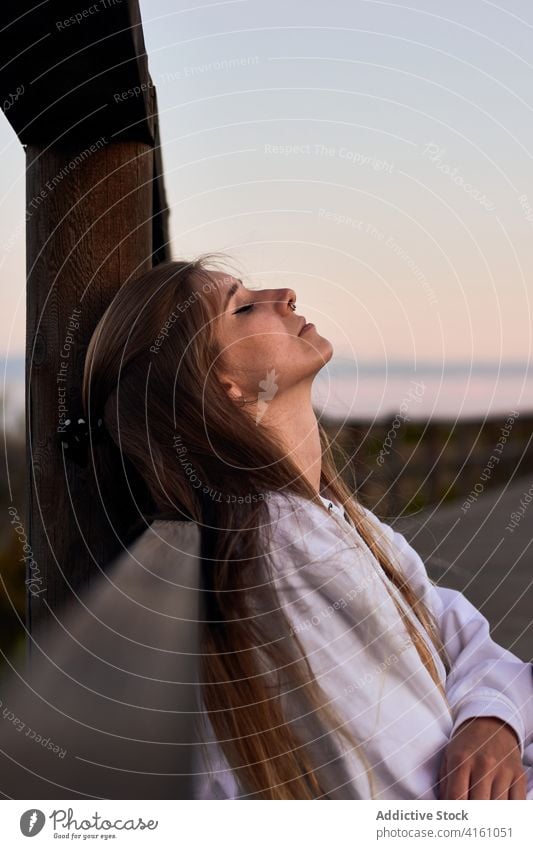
[215,781]
[485,679]
[213,776]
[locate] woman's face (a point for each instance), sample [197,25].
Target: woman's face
[257,331]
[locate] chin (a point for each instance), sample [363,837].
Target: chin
[326,348]
[323,352]
[318,353]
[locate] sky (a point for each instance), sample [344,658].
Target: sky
[377,157]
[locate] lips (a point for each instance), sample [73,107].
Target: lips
[302,326]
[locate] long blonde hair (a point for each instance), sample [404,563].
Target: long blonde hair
[151,371]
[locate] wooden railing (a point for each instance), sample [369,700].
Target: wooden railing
[404,469]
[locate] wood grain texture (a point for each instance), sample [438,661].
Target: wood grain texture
[86,235]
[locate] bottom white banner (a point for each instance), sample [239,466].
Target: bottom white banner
[218,823]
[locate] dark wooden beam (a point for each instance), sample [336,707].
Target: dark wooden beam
[75,71]
[76,88]
[90,228]
[161,248]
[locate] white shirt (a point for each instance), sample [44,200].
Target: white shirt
[333,591]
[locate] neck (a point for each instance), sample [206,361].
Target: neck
[293,419]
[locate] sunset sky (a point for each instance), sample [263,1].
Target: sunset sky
[375,157]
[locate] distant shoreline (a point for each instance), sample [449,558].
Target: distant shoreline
[373,391]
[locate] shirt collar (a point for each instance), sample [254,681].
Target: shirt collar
[333,506]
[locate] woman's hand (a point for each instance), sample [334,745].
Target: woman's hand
[482,761]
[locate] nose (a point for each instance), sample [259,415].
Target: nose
[283,298]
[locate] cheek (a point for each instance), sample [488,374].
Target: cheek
[244,354]
[275,350]
[262,347]
[258,350]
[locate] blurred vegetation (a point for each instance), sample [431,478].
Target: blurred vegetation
[399,467]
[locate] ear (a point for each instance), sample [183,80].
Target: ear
[229,385]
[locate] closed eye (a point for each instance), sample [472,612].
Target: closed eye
[245,307]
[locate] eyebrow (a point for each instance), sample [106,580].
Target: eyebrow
[232,289]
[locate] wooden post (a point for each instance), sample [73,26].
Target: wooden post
[89,229]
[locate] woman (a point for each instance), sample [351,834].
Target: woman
[331,666]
